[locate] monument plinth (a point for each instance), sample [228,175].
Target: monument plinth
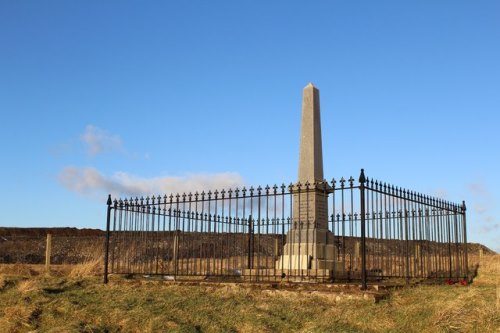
[309,243]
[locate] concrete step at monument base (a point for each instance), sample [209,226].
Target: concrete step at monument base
[280,274]
[316,250]
[307,262]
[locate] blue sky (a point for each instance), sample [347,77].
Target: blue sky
[134,96]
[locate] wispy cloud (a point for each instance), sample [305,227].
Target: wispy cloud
[483,198]
[441,193]
[89,181]
[99,141]
[491,228]
[478,189]
[482,206]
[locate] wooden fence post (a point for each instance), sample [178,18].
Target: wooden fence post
[48,252]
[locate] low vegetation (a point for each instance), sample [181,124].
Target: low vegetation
[73,299]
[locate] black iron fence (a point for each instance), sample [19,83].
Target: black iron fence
[374,231]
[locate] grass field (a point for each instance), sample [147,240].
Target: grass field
[73,299]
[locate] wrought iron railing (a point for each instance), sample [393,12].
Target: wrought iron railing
[375,232]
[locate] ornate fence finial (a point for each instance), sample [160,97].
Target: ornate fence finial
[362,177]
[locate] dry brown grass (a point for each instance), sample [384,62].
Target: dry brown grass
[92,267]
[73,299]
[26,286]
[23,270]
[457,314]
[3,283]
[33,270]
[489,269]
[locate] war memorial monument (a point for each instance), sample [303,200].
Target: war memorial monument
[315,230]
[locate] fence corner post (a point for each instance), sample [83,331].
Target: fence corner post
[362,180]
[464,212]
[106,244]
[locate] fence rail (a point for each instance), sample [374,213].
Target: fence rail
[374,231]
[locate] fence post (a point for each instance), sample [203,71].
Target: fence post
[48,253]
[176,253]
[464,209]
[407,240]
[357,253]
[362,181]
[106,245]
[250,243]
[276,248]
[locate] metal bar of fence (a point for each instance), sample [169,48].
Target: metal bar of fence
[106,250]
[362,180]
[465,240]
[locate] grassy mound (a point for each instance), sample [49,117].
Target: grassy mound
[75,300]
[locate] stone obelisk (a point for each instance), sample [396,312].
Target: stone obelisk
[311,204]
[309,243]
[311,149]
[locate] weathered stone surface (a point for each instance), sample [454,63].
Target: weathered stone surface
[310,199]
[309,236]
[311,151]
[314,250]
[302,262]
[310,209]
[309,243]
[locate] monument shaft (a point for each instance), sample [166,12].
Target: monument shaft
[309,243]
[311,150]
[310,199]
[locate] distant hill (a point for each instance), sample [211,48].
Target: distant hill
[42,232]
[72,245]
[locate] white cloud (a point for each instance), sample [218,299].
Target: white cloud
[478,189]
[491,228]
[482,206]
[483,198]
[89,181]
[99,141]
[441,193]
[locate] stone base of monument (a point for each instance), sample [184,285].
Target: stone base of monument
[310,236]
[309,249]
[300,262]
[263,274]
